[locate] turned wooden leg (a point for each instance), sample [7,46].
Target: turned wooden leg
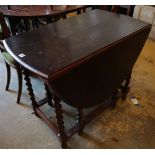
[125,88]
[20,81]
[30,90]
[80,120]
[60,123]
[49,95]
[8,75]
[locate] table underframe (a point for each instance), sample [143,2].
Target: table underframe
[54,102]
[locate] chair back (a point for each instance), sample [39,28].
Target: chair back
[123,9]
[5,32]
[115,8]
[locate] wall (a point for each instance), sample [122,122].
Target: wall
[147,14]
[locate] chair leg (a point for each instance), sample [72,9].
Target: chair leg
[8,75]
[20,82]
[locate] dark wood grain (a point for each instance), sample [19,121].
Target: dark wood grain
[93,81]
[5,32]
[54,48]
[83,60]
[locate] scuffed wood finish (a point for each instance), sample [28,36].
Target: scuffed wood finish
[125,88]
[83,60]
[80,120]
[68,43]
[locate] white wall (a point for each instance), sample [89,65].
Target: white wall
[147,14]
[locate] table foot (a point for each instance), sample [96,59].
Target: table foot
[60,123]
[80,120]
[125,89]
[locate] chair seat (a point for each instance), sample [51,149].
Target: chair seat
[8,58]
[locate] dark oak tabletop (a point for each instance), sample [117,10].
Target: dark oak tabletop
[60,46]
[39,10]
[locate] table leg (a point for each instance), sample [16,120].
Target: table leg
[60,123]
[8,75]
[49,95]
[30,90]
[80,120]
[114,100]
[125,88]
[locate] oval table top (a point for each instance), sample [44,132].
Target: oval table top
[67,41]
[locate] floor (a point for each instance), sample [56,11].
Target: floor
[127,126]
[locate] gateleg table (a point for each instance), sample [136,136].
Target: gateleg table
[82,60]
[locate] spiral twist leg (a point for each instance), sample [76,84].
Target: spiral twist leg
[30,91]
[60,123]
[80,120]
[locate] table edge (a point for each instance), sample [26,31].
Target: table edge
[72,65]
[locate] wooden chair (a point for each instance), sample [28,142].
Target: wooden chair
[9,61]
[123,9]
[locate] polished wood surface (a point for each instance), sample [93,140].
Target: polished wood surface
[83,61]
[39,10]
[60,46]
[94,81]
